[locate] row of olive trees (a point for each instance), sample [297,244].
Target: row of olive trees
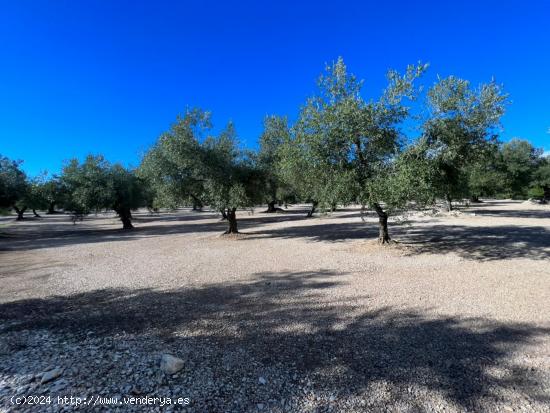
[91,186]
[342,149]
[20,193]
[346,149]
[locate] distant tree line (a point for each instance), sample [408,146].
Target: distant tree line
[343,149]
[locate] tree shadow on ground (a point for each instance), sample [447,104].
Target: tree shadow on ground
[60,232]
[503,213]
[322,230]
[31,238]
[17,267]
[481,243]
[288,321]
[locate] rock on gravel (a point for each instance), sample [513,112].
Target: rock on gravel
[50,375]
[170,364]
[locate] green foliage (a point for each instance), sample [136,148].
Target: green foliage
[232,179]
[272,142]
[520,161]
[127,189]
[485,174]
[174,167]
[536,192]
[36,196]
[342,142]
[460,130]
[541,176]
[407,181]
[19,192]
[54,193]
[88,184]
[509,170]
[13,182]
[96,185]
[187,163]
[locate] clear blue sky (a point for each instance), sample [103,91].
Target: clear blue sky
[109,76]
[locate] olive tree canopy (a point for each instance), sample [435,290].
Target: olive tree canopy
[14,187]
[96,185]
[275,135]
[462,123]
[343,143]
[188,163]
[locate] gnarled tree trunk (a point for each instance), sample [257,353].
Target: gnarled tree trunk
[232,220]
[224,214]
[19,212]
[51,208]
[197,203]
[449,202]
[383,234]
[35,213]
[271,207]
[312,210]
[125,216]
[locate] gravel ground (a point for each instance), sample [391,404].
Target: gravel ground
[294,315]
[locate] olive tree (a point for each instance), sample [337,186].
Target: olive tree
[54,193]
[96,185]
[232,178]
[541,178]
[186,162]
[314,161]
[273,138]
[173,166]
[341,142]
[520,160]
[510,170]
[35,198]
[485,174]
[14,186]
[19,192]
[404,181]
[462,122]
